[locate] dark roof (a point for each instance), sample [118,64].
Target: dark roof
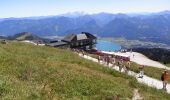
[56,44]
[82,36]
[89,35]
[69,37]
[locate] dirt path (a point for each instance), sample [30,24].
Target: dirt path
[140,59]
[136,95]
[145,80]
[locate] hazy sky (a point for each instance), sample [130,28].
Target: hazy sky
[25,8]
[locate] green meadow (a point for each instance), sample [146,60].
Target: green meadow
[29,72]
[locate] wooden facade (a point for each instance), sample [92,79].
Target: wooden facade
[83,40]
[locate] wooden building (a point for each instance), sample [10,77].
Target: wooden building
[84,40]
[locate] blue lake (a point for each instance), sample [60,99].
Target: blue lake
[107,46]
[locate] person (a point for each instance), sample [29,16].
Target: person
[113,61]
[82,52]
[107,60]
[141,73]
[104,59]
[130,50]
[99,57]
[127,67]
[78,51]
[121,65]
[164,78]
[118,64]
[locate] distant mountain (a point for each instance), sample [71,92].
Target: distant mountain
[25,36]
[73,14]
[153,27]
[103,18]
[2,37]
[163,12]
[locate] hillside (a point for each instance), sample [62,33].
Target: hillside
[34,72]
[154,27]
[24,36]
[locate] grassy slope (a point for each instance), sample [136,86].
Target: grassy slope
[32,72]
[22,37]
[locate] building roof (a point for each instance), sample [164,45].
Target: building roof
[82,36]
[69,37]
[89,35]
[56,44]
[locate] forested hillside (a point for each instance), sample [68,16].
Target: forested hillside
[157,54]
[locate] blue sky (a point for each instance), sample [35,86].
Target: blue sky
[25,8]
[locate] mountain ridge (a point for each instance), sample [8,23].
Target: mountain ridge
[154,27]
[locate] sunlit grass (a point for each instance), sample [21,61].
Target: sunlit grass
[35,72]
